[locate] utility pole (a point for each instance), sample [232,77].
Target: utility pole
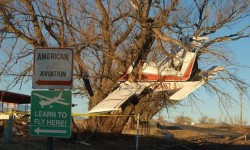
[240,94]
[241,107]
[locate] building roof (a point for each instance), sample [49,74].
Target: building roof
[11,97]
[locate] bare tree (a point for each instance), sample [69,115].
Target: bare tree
[109,36]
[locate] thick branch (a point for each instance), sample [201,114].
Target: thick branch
[37,29]
[161,36]
[105,23]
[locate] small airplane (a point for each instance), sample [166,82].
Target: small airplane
[161,76]
[45,101]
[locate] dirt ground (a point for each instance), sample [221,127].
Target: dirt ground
[171,137]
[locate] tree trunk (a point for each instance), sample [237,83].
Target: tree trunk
[116,124]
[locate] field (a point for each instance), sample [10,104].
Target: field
[170,136]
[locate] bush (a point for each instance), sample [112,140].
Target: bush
[183,119]
[211,120]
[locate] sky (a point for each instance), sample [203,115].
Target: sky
[208,105]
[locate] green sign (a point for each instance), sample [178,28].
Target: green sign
[50,113]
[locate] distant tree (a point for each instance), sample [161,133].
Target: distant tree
[226,120]
[183,119]
[108,36]
[203,119]
[161,119]
[237,120]
[244,122]
[211,120]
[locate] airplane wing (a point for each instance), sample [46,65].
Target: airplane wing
[48,98]
[190,86]
[41,96]
[60,102]
[115,99]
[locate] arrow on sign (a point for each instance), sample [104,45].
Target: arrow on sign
[38,130]
[47,82]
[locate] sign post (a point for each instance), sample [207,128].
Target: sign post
[51,110]
[53,68]
[51,113]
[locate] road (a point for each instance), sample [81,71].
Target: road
[210,131]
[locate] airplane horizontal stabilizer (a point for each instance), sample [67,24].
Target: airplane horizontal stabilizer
[191,86]
[115,99]
[186,90]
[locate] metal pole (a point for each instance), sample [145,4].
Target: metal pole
[8,128]
[241,107]
[137,135]
[49,143]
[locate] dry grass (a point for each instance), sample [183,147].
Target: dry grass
[156,139]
